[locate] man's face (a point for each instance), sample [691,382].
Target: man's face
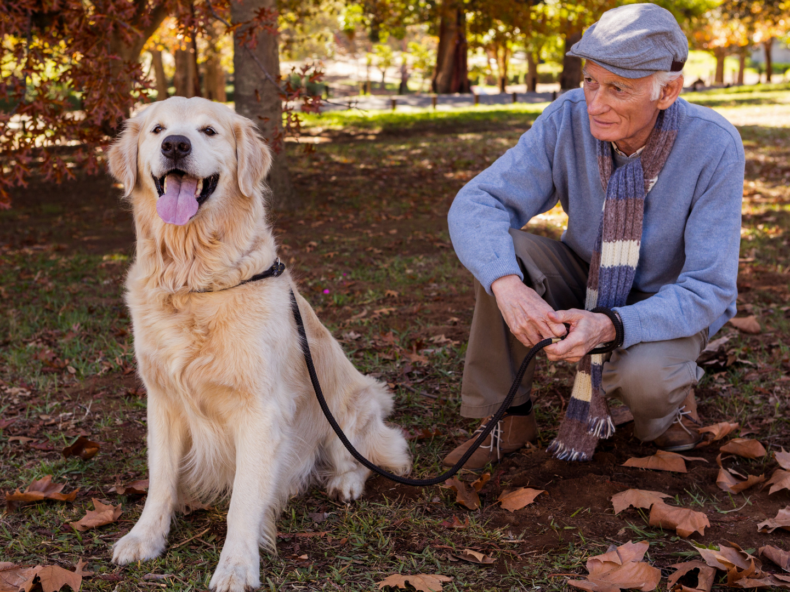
[620,109]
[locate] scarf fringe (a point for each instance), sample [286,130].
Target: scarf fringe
[561,452]
[601,427]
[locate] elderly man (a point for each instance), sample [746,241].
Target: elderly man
[652,187]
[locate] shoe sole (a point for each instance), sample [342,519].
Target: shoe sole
[680,447]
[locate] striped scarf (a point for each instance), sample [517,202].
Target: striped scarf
[612,269]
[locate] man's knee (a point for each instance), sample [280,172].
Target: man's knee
[650,382]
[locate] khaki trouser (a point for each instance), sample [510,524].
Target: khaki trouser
[652,378]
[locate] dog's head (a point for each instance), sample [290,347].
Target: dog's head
[184,158]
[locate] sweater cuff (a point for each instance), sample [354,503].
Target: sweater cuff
[632,325]
[497,269]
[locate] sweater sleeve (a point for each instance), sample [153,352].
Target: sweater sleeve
[517,187]
[707,284]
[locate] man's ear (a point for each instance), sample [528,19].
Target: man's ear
[123,156]
[253,156]
[670,93]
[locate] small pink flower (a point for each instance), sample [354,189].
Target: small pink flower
[326,291]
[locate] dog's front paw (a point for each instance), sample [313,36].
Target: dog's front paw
[236,576]
[348,486]
[137,547]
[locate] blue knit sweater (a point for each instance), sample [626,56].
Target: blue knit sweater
[692,220]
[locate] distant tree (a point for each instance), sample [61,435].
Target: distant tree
[385,58]
[451,74]
[765,20]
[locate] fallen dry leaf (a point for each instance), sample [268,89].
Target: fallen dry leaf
[720,430]
[475,557]
[47,578]
[480,482]
[13,577]
[422,434]
[744,447]
[420,582]
[101,514]
[778,481]
[748,324]
[464,495]
[777,555]
[692,576]
[729,483]
[783,458]
[684,521]
[662,461]
[782,520]
[638,498]
[455,523]
[519,498]
[82,447]
[620,567]
[767,581]
[138,487]
[37,491]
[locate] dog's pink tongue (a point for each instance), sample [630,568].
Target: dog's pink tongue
[178,204]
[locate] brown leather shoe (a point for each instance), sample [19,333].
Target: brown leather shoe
[512,433]
[682,434]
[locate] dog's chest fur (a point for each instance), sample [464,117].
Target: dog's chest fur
[196,349]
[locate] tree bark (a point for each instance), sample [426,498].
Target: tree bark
[159,75]
[184,79]
[720,53]
[214,76]
[258,98]
[532,72]
[502,59]
[451,74]
[769,64]
[571,67]
[741,64]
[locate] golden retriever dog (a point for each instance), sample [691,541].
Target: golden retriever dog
[230,405]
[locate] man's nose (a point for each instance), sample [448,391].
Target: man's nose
[176,147]
[596,105]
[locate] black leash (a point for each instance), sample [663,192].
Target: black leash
[277,269]
[308,358]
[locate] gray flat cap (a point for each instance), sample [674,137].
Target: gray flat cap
[634,41]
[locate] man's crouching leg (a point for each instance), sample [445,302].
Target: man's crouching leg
[656,380]
[494,355]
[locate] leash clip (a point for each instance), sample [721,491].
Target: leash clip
[278,268]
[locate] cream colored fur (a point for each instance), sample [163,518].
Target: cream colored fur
[230,405]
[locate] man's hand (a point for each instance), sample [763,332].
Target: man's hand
[588,330]
[525,313]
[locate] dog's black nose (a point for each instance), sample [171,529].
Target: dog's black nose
[176,147]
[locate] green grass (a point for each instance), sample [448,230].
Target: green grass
[388,121]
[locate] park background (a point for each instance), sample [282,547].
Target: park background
[380,111]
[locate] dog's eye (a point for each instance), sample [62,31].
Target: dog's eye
[209,131]
[157,128]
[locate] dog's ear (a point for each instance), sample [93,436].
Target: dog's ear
[253,156]
[122,156]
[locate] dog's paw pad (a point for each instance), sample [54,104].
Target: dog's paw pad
[348,486]
[234,578]
[134,547]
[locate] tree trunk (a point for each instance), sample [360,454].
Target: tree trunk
[451,73]
[383,79]
[214,76]
[194,67]
[159,75]
[741,64]
[258,98]
[720,53]
[184,79]
[769,64]
[404,70]
[571,67]
[502,64]
[532,72]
